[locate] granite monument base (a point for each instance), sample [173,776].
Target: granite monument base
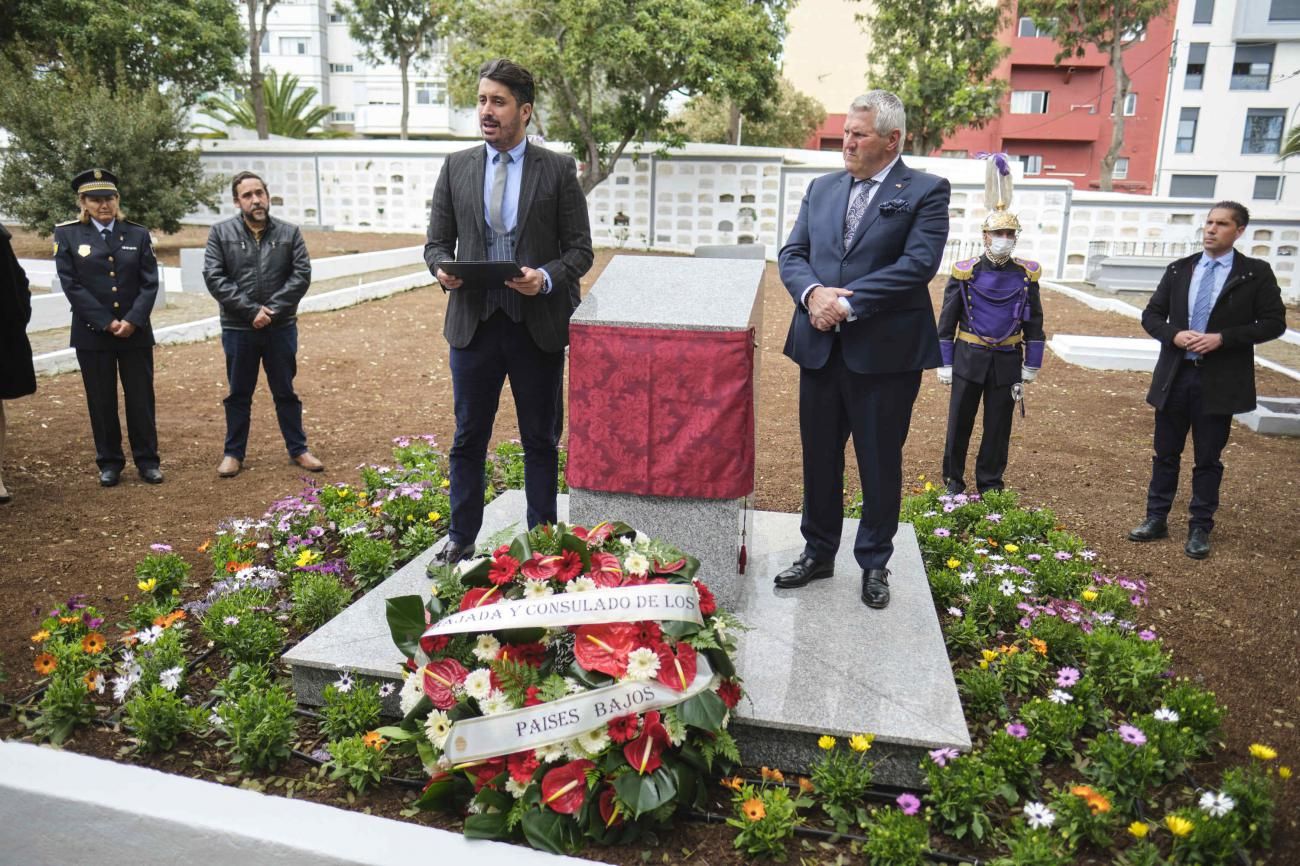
[814,661]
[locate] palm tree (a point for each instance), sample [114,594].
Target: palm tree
[1291,147]
[289,111]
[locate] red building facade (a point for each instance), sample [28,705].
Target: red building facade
[1056,119]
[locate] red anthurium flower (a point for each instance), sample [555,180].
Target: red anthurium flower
[729,691]
[541,567]
[434,643]
[611,813]
[670,567]
[676,670]
[599,534]
[479,596]
[522,765]
[606,569]
[569,567]
[440,679]
[623,728]
[503,569]
[708,605]
[643,752]
[486,772]
[604,647]
[565,788]
[528,653]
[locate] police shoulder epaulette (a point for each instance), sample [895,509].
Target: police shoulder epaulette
[1033,270]
[964,270]
[66,223]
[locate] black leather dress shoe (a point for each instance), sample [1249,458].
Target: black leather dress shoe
[151,475]
[453,553]
[804,571]
[1150,529]
[1198,543]
[875,587]
[109,477]
[952,487]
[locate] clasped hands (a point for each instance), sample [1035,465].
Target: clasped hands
[121,328]
[1195,341]
[824,308]
[531,283]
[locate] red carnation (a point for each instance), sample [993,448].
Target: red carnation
[540,567]
[606,569]
[501,551]
[708,604]
[434,643]
[643,752]
[503,569]
[569,566]
[522,765]
[531,698]
[611,813]
[649,633]
[440,680]
[604,647]
[676,670]
[623,728]
[533,654]
[565,788]
[479,596]
[729,691]
[486,772]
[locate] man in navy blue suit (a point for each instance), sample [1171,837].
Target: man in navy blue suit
[858,265]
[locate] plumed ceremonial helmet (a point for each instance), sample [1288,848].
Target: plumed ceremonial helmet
[997,193]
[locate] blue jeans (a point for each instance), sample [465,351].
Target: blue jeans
[275,349]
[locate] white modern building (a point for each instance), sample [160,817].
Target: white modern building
[310,39]
[1234,91]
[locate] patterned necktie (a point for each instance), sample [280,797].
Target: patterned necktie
[497,218]
[857,207]
[1204,301]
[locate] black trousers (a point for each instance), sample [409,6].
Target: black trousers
[876,409]
[1182,413]
[276,351]
[100,371]
[963,404]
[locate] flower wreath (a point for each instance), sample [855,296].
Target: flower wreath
[575,685]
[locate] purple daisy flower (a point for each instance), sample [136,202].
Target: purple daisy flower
[941,532]
[1017,730]
[1034,557]
[1132,735]
[1066,677]
[1063,555]
[161,548]
[1147,634]
[908,803]
[943,756]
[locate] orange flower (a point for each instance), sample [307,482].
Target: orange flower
[205,546]
[45,664]
[1039,645]
[374,741]
[92,679]
[41,636]
[735,783]
[1096,800]
[772,775]
[69,620]
[167,620]
[753,809]
[992,542]
[93,643]
[1009,650]
[805,785]
[233,567]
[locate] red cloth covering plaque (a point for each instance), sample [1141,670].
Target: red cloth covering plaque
[661,412]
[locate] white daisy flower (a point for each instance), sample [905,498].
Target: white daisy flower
[1007,587]
[486,648]
[1060,696]
[214,718]
[387,689]
[1217,805]
[122,685]
[495,703]
[344,683]
[412,691]
[149,635]
[537,588]
[550,754]
[967,578]
[594,742]
[478,685]
[1164,714]
[1039,816]
[170,679]
[636,563]
[581,584]
[437,727]
[642,664]
[516,789]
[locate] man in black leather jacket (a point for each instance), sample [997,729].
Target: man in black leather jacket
[258,270]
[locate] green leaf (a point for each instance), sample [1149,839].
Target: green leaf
[521,549]
[704,711]
[487,826]
[680,629]
[406,622]
[546,831]
[721,663]
[645,793]
[437,795]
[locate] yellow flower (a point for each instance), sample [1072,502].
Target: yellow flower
[753,809]
[1011,548]
[928,486]
[1178,826]
[69,620]
[1139,829]
[434,517]
[826,742]
[446,482]
[148,585]
[1263,752]
[954,562]
[861,742]
[984,666]
[989,655]
[1089,595]
[1284,772]
[410,517]
[307,557]
[41,636]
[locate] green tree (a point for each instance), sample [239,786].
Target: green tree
[60,124]
[257,12]
[396,31]
[1291,147]
[788,122]
[939,57]
[1110,26]
[190,47]
[605,68]
[288,110]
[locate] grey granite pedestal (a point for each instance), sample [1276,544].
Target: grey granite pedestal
[815,660]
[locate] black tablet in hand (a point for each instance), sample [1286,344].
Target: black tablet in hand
[482,275]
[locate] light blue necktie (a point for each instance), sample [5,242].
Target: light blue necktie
[1204,302]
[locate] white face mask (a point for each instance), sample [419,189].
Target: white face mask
[1001,246]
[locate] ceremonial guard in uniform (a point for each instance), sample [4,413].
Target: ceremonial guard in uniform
[990,338]
[109,274]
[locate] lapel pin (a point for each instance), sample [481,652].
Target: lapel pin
[898,185]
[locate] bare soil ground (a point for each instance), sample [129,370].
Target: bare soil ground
[374,371]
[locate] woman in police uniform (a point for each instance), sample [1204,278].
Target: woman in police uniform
[109,274]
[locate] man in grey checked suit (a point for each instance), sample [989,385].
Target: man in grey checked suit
[507,200]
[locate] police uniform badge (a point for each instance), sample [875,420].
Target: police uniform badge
[83,250]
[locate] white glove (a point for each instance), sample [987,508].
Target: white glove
[1028,374]
[945,375]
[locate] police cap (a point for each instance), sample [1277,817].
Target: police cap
[95,182]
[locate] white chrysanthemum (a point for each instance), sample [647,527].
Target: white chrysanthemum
[412,691]
[467,565]
[1164,714]
[641,539]
[495,703]
[478,685]
[537,588]
[581,584]
[1217,804]
[516,789]
[636,563]
[642,664]
[170,679]
[550,754]
[437,727]
[594,742]
[486,648]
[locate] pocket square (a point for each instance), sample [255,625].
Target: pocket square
[897,205]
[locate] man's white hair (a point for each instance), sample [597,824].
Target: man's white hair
[888,110]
